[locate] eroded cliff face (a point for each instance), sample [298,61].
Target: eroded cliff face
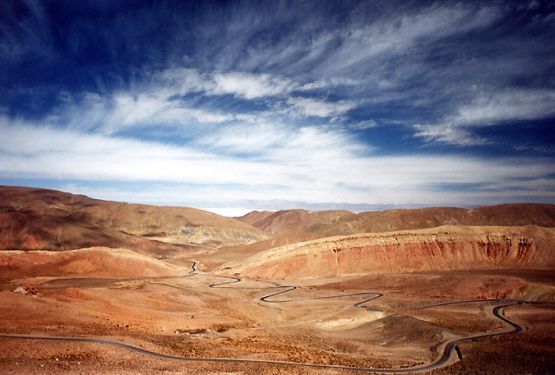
[442,248]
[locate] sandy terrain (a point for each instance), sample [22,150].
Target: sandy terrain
[164,283]
[182,315]
[96,262]
[315,224]
[441,248]
[40,219]
[291,222]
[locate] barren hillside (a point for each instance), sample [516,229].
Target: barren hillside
[94,262]
[502,215]
[48,219]
[330,223]
[254,216]
[287,222]
[440,249]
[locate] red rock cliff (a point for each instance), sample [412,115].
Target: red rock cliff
[442,248]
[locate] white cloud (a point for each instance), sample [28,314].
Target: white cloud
[158,103]
[365,124]
[155,105]
[319,108]
[152,108]
[358,48]
[310,164]
[392,36]
[488,110]
[449,134]
[248,137]
[182,81]
[241,84]
[510,105]
[249,85]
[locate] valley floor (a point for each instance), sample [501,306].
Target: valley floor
[201,315]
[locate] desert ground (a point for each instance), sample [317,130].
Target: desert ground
[96,287]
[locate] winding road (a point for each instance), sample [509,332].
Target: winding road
[448,349]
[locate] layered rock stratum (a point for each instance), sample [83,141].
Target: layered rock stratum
[442,248]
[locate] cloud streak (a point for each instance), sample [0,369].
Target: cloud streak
[289,167]
[489,110]
[361,102]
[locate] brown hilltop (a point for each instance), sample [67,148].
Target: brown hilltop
[329,223]
[503,215]
[48,219]
[254,216]
[287,222]
[97,262]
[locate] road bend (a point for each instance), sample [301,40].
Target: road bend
[447,356]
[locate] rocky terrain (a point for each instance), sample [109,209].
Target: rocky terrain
[324,288]
[438,249]
[330,223]
[288,222]
[32,219]
[83,263]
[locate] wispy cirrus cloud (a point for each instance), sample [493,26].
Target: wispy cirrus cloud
[128,110]
[160,102]
[241,84]
[398,34]
[448,133]
[489,110]
[367,102]
[517,104]
[351,172]
[320,108]
[250,86]
[255,138]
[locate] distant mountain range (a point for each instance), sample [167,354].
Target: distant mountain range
[32,218]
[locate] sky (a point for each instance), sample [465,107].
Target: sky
[239,105]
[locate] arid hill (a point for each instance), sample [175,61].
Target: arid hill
[330,223]
[48,219]
[94,262]
[436,249]
[255,216]
[287,222]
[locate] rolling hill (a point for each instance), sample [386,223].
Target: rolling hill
[48,219]
[329,223]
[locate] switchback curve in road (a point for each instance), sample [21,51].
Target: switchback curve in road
[445,357]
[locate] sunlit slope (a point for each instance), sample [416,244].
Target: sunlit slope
[329,223]
[48,219]
[97,262]
[288,222]
[435,249]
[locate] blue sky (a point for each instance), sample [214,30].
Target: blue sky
[238,105]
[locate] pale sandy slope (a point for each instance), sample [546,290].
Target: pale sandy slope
[97,262]
[330,223]
[34,219]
